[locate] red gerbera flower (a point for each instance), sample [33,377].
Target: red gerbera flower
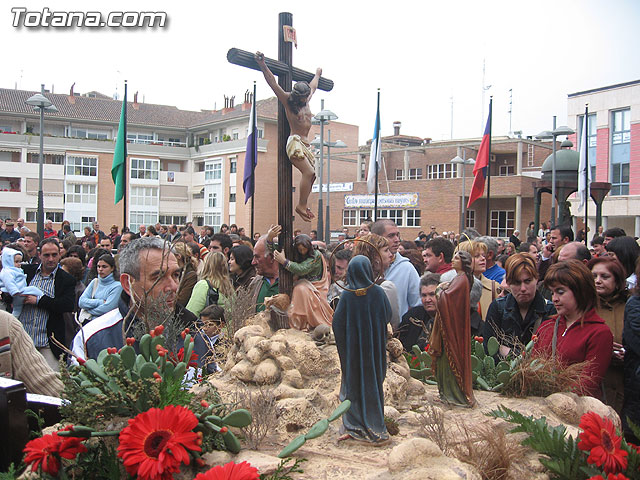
[230,471]
[155,443]
[611,476]
[599,438]
[47,450]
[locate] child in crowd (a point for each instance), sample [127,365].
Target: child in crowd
[212,318]
[13,280]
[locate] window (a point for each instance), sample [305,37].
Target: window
[349,218]
[82,166]
[144,196]
[49,159]
[213,171]
[144,138]
[502,223]
[233,165]
[198,195]
[365,215]
[213,220]
[85,133]
[56,217]
[471,219]
[621,127]
[81,193]
[172,219]
[620,179]
[143,169]
[235,134]
[620,152]
[232,195]
[399,174]
[84,222]
[394,215]
[415,173]
[413,218]
[362,173]
[212,200]
[441,170]
[507,170]
[137,218]
[260,133]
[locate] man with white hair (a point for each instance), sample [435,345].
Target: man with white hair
[149,274]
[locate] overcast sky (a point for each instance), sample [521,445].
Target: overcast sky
[419,53]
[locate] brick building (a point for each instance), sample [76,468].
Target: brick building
[182,165]
[419,186]
[614,150]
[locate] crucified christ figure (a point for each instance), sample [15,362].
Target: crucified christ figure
[296,106]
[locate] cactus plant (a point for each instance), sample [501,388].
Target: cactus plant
[318,429]
[487,375]
[420,365]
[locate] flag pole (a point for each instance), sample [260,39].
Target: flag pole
[489,168]
[375,195]
[254,147]
[124,203]
[587,168]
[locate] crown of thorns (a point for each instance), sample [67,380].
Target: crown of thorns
[358,291]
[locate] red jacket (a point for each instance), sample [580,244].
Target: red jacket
[592,340]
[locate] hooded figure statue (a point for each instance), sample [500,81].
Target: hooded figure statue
[13,280]
[360,329]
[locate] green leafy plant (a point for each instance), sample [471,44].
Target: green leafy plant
[284,469]
[569,458]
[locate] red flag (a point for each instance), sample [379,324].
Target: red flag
[480,170]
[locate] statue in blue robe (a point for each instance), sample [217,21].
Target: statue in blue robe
[360,329]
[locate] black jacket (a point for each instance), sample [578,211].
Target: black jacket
[64,299]
[411,334]
[503,317]
[631,342]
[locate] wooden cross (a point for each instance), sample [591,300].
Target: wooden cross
[286,73]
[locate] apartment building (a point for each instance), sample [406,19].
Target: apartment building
[614,150]
[182,165]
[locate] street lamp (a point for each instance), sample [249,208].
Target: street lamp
[41,103]
[464,162]
[321,118]
[554,134]
[329,144]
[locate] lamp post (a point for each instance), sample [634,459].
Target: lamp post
[321,118]
[329,144]
[554,134]
[41,103]
[464,162]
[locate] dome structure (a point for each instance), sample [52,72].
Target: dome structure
[567,163]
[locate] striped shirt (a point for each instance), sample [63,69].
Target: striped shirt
[33,318]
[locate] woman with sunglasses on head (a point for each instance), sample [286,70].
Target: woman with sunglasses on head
[577,334]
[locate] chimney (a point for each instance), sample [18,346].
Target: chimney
[71,97]
[396,128]
[136,105]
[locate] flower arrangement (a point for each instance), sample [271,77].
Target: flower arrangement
[599,452]
[133,412]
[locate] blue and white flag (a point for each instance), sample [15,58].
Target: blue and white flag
[251,156]
[584,169]
[376,153]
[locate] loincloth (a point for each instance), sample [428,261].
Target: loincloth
[297,150]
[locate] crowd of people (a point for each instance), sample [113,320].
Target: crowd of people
[74,296]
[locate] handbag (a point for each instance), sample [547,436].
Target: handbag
[84,316]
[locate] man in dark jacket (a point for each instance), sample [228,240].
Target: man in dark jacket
[415,327]
[43,317]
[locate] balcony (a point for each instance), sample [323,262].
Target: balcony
[10,184]
[163,143]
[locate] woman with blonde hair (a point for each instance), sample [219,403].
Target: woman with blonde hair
[188,274]
[214,278]
[490,288]
[376,249]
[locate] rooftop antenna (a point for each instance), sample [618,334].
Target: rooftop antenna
[510,109]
